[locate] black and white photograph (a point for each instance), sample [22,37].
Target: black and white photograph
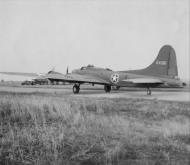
[94,82]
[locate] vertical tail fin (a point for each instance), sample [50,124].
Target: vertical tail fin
[164,65]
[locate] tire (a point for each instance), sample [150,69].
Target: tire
[148,91]
[117,87]
[76,89]
[107,88]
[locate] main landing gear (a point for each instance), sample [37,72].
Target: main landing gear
[76,88]
[148,91]
[107,88]
[115,87]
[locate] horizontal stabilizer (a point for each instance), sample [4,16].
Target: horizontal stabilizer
[144,81]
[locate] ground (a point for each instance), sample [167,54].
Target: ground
[53,126]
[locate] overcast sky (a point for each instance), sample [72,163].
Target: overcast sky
[37,35]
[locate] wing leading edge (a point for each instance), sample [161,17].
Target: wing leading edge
[144,81]
[20,74]
[76,78]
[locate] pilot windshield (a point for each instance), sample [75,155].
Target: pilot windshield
[83,68]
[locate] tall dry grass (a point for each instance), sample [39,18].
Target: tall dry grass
[36,129]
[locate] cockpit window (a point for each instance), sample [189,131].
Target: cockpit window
[83,68]
[90,66]
[93,67]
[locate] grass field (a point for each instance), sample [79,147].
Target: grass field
[48,129]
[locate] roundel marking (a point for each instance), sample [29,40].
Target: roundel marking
[114,78]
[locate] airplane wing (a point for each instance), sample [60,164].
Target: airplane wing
[144,81]
[76,78]
[21,74]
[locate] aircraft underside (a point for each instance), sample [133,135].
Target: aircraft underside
[108,88]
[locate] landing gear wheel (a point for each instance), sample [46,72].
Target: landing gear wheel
[107,88]
[148,91]
[117,87]
[76,88]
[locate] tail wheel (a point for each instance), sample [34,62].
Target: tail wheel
[107,88]
[76,88]
[148,91]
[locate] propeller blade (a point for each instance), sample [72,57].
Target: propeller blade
[67,71]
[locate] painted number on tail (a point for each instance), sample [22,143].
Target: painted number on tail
[161,62]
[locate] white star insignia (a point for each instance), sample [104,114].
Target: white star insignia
[115,78]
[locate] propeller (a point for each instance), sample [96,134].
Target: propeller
[67,71]
[53,69]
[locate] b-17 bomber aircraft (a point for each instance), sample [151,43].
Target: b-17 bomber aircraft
[163,71]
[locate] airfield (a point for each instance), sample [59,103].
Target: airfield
[167,94]
[51,125]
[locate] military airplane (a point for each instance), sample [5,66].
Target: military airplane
[163,71]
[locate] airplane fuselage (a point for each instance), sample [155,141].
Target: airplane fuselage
[120,78]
